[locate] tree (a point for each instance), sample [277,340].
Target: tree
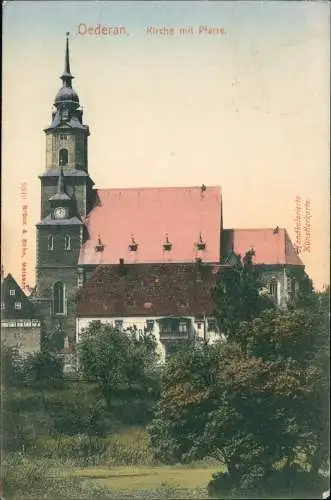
[118,361]
[237,295]
[257,401]
[185,403]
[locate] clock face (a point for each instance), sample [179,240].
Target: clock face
[60,213]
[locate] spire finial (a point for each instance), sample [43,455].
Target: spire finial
[67,76]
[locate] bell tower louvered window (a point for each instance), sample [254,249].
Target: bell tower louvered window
[63,157]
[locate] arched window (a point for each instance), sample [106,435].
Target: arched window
[59,298]
[50,242]
[67,242]
[63,156]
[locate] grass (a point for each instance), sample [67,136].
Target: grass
[134,478]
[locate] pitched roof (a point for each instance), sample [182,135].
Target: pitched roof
[149,215]
[49,221]
[11,294]
[54,172]
[271,246]
[148,290]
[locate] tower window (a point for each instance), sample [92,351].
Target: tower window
[67,242]
[18,305]
[59,298]
[50,242]
[63,156]
[11,292]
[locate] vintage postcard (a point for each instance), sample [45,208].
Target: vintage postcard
[165,249]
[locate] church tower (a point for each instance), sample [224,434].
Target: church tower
[66,198]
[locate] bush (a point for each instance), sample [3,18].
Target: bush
[42,369]
[129,448]
[75,417]
[81,449]
[24,478]
[291,482]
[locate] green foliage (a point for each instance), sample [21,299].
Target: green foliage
[237,295]
[293,482]
[131,447]
[43,369]
[24,478]
[257,400]
[10,373]
[180,414]
[79,449]
[118,361]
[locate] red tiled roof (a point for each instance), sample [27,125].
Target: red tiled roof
[271,246]
[148,290]
[149,214]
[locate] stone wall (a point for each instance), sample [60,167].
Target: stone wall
[25,339]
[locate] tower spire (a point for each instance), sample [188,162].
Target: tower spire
[66,77]
[61,193]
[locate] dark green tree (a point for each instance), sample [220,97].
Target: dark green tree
[259,401]
[237,295]
[118,361]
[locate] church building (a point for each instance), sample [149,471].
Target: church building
[140,258]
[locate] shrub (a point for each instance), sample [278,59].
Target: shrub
[81,449]
[129,448]
[24,478]
[287,482]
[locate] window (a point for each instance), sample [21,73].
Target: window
[3,305]
[80,280]
[118,323]
[149,325]
[50,242]
[63,137]
[18,305]
[272,286]
[133,246]
[212,325]
[63,156]
[67,242]
[12,292]
[182,327]
[59,298]
[165,326]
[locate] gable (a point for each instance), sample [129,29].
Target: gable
[271,246]
[14,302]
